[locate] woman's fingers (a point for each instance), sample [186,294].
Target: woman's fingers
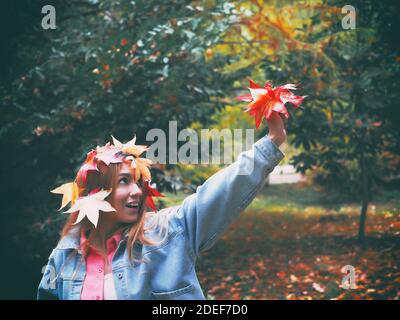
[275,123]
[276,126]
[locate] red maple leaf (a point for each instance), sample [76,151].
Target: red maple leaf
[263,101]
[89,165]
[151,192]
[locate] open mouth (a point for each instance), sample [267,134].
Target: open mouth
[132,205]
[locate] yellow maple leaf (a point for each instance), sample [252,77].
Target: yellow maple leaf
[70,192]
[142,168]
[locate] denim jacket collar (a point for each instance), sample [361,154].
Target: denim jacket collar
[72,239]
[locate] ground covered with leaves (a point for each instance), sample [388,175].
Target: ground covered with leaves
[291,243]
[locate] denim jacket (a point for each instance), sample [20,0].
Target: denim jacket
[167,270]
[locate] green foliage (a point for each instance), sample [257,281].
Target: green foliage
[349,116]
[350,77]
[110,67]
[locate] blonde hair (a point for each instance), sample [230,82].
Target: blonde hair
[107,178]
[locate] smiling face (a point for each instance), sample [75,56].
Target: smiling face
[126,196]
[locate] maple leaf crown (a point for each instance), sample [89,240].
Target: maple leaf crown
[106,155]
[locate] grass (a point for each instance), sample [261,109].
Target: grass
[305,199]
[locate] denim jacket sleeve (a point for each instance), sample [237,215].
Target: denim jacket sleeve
[47,289]
[207,213]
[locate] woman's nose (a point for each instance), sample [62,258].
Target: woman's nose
[135,190]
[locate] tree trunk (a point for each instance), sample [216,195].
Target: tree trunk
[365,199]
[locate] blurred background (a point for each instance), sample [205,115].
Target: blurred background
[125,67]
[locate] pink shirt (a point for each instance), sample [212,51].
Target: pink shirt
[94,279]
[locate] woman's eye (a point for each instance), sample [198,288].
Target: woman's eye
[123,181]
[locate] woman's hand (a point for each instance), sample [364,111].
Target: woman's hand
[277,132]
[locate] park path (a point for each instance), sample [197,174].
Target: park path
[285,174]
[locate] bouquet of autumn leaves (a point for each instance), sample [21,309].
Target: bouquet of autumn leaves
[264,101]
[90,205]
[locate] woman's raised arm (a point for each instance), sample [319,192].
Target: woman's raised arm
[207,213]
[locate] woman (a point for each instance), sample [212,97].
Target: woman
[125,253]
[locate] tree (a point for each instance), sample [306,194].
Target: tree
[109,67]
[347,132]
